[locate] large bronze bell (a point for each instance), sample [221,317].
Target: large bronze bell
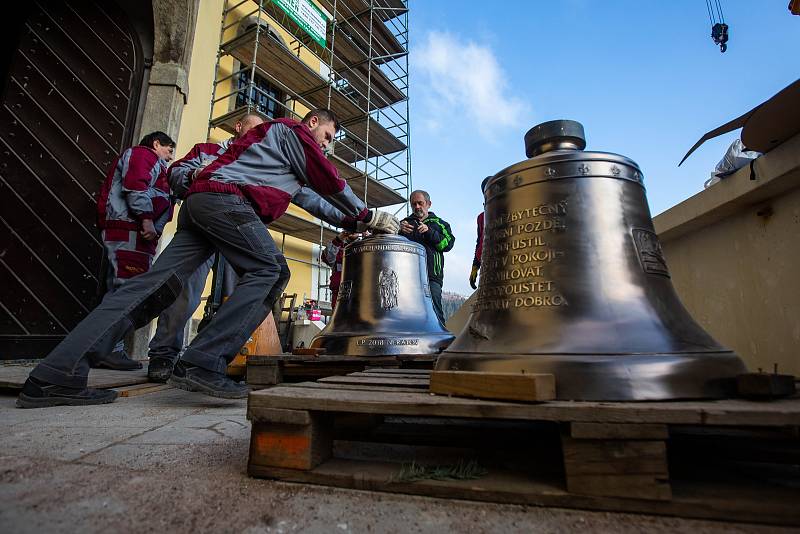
[574,283]
[384,306]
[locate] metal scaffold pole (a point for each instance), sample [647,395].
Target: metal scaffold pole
[352,59]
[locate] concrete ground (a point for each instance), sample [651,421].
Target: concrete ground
[173,461]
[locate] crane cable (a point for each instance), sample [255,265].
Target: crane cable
[719,30]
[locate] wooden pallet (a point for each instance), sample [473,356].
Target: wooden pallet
[265,371]
[13,377]
[373,430]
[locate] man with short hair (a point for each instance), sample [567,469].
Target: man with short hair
[132,209]
[425,228]
[168,339]
[228,206]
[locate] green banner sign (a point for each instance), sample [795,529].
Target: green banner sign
[308,16]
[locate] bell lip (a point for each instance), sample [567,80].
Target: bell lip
[617,377]
[431,344]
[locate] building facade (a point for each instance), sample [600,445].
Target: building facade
[85,80]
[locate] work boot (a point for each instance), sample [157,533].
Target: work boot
[118,361]
[159,369]
[192,378]
[39,394]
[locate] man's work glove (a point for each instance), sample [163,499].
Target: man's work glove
[473,276]
[381,222]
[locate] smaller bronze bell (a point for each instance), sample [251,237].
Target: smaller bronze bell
[384,306]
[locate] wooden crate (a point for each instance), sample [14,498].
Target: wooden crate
[376,429]
[265,371]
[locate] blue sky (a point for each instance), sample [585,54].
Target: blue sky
[644,78]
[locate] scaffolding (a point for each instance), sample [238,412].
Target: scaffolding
[280,58]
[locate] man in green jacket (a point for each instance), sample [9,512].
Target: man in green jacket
[425,228]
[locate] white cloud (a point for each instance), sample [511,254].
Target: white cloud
[464,76]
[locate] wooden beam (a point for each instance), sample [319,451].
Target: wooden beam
[618,431]
[503,386]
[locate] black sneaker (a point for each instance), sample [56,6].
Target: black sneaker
[39,394]
[159,369]
[191,378]
[117,361]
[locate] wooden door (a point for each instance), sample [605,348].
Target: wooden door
[68,109]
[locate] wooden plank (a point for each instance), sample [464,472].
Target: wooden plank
[327,358]
[291,446]
[354,387]
[614,457]
[765,385]
[377,381]
[14,376]
[503,386]
[379,194]
[141,389]
[264,373]
[279,416]
[276,62]
[748,502]
[373,374]
[314,372]
[308,351]
[402,370]
[632,486]
[387,8]
[381,141]
[618,431]
[106,378]
[722,412]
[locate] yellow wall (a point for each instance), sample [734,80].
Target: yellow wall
[194,122]
[733,256]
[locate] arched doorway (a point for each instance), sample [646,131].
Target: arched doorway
[69,106]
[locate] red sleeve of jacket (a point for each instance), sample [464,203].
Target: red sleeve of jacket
[136,177]
[479,243]
[136,174]
[186,161]
[322,176]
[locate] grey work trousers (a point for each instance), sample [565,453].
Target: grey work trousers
[207,222]
[168,340]
[124,243]
[436,297]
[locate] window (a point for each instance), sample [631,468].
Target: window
[347,90]
[320,276]
[263,96]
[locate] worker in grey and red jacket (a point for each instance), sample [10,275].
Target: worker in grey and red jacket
[227,209]
[168,339]
[333,257]
[167,342]
[476,260]
[132,209]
